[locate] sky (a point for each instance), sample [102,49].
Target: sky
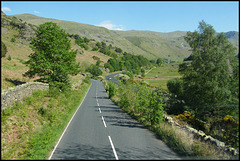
[158,16]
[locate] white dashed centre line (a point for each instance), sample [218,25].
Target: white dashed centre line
[114,151]
[100,110]
[104,122]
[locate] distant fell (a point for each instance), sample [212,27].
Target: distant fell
[150,44]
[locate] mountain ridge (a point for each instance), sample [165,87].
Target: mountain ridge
[150,44]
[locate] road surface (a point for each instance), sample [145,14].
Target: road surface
[100,130]
[111,78]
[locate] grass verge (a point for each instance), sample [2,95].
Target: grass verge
[31,128]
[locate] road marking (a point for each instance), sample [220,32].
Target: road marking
[100,110]
[97,100]
[98,104]
[114,151]
[104,122]
[68,125]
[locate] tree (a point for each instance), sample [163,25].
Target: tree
[98,63]
[52,61]
[118,50]
[208,80]
[3,49]
[159,62]
[114,63]
[94,70]
[107,65]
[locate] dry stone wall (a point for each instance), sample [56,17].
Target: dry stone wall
[203,137]
[11,95]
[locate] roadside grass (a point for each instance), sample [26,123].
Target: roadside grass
[31,128]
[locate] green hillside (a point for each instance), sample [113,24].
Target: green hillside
[150,44]
[15,34]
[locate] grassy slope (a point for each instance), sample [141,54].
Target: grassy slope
[12,70]
[152,44]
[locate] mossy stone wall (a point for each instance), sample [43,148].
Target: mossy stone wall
[11,95]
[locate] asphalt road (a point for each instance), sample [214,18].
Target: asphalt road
[111,78]
[100,130]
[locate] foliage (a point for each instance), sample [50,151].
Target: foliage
[82,42]
[3,49]
[52,61]
[114,63]
[208,79]
[159,62]
[9,57]
[111,89]
[13,39]
[118,50]
[139,100]
[128,62]
[109,66]
[95,48]
[185,116]
[98,63]
[94,70]
[225,129]
[128,73]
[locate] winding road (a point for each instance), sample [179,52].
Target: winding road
[100,130]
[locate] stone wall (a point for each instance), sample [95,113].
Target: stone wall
[203,137]
[11,95]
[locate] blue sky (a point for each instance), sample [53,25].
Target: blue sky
[156,16]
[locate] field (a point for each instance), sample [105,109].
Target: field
[159,76]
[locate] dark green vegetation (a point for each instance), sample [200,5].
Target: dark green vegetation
[209,88]
[128,62]
[3,49]
[52,61]
[30,130]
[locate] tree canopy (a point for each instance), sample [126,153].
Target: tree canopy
[211,78]
[52,60]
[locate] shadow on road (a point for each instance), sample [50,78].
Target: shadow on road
[104,97]
[87,152]
[83,152]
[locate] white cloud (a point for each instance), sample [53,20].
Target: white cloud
[36,12]
[110,26]
[5,9]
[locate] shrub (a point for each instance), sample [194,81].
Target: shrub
[111,89]
[9,57]
[185,116]
[3,49]
[13,39]
[95,49]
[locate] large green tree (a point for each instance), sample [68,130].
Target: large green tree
[211,79]
[52,60]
